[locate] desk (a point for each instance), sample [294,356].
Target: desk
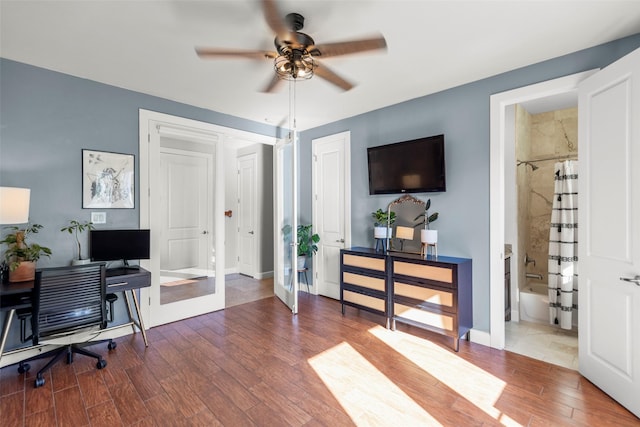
[15,296]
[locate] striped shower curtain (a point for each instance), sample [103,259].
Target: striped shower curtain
[563,245]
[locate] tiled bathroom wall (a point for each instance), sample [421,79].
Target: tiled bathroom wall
[540,136]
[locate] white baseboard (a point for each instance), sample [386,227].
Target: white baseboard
[264,275]
[480,337]
[232,270]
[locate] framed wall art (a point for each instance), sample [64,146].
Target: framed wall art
[108,180]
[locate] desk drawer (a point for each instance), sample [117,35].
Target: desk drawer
[377,264]
[440,321]
[369,282]
[432,296]
[364,300]
[130,281]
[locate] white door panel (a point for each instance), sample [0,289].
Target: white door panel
[331,208]
[285,283]
[247,214]
[185,210]
[609,235]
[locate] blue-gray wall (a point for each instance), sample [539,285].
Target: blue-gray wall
[462,115]
[46,118]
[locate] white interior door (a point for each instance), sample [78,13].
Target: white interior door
[285,283]
[186,210]
[247,197]
[331,209]
[609,232]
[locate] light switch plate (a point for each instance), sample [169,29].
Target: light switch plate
[99,217]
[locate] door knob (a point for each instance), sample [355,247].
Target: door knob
[340,241]
[251,232]
[205,232]
[635,280]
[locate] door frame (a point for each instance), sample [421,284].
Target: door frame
[498,121]
[345,137]
[180,127]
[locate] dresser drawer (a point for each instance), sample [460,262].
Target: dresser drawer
[432,296]
[421,271]
[437,320]
[370,263]
[369,282]
[364,300]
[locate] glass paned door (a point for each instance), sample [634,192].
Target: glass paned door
[285,282]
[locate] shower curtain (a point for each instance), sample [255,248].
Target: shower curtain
[563,245]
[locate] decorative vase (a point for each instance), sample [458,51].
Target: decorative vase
[381,232]
[26,271]
[429,237]
[302,260]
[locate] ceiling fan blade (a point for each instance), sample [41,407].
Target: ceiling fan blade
[274,19]
[206,52]
[326,73]
[345,48]
[273,84]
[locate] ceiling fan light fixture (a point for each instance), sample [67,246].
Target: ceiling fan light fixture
[296,65]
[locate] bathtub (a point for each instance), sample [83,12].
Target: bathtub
[534,303]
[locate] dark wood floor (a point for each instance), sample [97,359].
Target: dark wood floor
[256,364]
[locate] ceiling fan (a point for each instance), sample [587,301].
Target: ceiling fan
[296,55]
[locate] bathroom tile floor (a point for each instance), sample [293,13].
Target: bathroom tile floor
[543,342]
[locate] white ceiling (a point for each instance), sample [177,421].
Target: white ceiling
[148,46]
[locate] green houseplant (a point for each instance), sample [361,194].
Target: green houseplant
[382,220]
[76,227]
[21,256]
[307,243]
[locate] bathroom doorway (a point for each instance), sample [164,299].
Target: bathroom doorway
[545,133]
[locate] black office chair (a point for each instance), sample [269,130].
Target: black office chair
[67,301]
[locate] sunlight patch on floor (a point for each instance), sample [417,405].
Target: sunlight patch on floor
[472,383]
[367,395]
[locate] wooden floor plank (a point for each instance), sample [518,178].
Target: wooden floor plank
[256,364]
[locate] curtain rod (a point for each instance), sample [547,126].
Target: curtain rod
[565,157]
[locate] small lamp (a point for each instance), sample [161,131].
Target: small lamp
[14,205]
[404,233]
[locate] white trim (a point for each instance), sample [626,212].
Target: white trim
[480,337]
[264,275]
[498,104]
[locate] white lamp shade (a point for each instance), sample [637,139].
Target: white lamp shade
[14,205]
[429,236]
[404,232]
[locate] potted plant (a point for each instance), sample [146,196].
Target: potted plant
[427,235]
[20,255]
[382,222]
[307,244]
[75,227]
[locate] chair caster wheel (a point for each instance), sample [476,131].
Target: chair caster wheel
[39,382]
[101,364]
[24,367]
[112,345]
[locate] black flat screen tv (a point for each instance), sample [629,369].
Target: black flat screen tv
[415,166]
[114,245]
